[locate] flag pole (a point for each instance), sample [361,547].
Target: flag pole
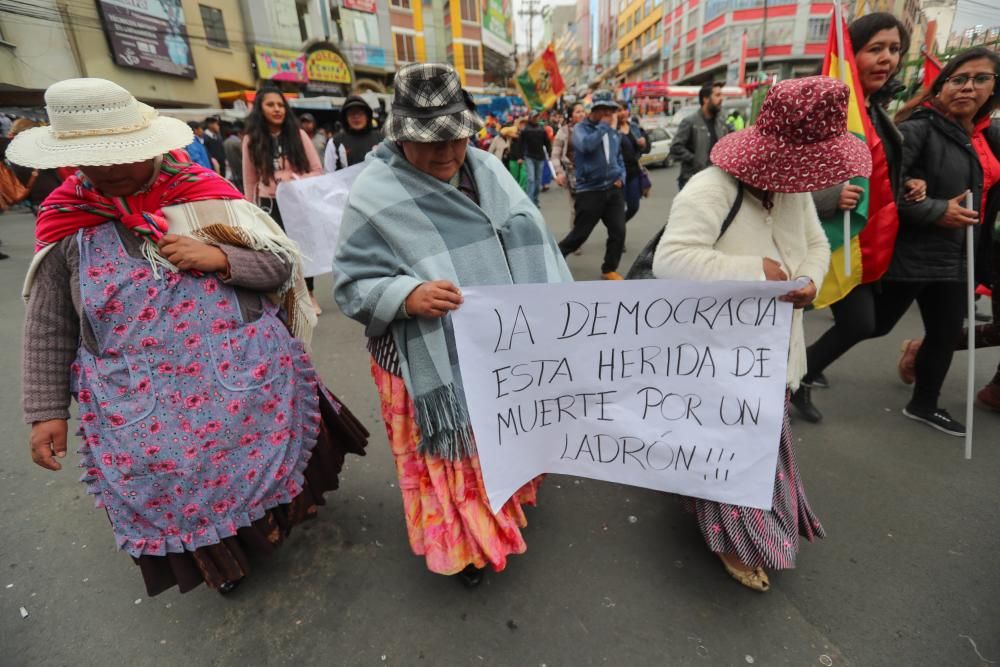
[838,17]
[970,277]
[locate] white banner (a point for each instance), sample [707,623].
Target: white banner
[670,385]
[311,210]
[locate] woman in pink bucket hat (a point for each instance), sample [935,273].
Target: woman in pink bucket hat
[750,217]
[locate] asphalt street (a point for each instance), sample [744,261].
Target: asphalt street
[614,575]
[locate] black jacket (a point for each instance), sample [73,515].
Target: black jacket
[630,154]
[213,145]
[939,151]
[535,142]
[357,143]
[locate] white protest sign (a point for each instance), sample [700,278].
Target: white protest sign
[671,385]
[311,210]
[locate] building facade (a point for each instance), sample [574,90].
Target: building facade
[184,53]
[640,26]
[702,37]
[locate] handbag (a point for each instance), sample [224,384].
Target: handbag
[642,267]
[644,183]
[12,190]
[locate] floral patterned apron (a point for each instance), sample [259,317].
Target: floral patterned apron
[194,421]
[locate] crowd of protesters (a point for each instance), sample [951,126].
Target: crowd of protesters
[179,335]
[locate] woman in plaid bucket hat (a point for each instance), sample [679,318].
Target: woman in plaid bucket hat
[760,184]
[428,216]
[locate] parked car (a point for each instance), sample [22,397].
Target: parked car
[659,153]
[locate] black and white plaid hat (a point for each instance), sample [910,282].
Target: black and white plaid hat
[429,105]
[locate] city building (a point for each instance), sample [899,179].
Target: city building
[702,37]
[942,13]
[184,54]
[640,26]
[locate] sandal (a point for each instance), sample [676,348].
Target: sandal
[756,580]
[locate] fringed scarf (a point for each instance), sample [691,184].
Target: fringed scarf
[76,205]
[402,227]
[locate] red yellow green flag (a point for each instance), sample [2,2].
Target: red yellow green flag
[874,222]
[541,84]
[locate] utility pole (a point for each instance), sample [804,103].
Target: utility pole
[530,9]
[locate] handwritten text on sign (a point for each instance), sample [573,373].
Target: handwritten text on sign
[670,385]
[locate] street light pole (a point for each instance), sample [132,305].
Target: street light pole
[763,34]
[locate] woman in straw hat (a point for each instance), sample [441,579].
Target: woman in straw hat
[174,312]
[799,144]
[428,216]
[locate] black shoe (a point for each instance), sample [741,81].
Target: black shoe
[471,576]
[802,400]
[818,382]
[227,587]
[4,256]
[937,418]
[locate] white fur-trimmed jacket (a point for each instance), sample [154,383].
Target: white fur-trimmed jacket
[690,248]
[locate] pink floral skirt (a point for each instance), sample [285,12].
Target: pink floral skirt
[448,519]
[768,539]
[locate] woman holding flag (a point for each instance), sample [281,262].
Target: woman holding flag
[878,41]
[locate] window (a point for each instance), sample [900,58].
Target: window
[406,52]
[215,27]
[471,53]
[468,11]
[818,30]
[401,4]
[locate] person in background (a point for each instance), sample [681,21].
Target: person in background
[207,433]
[515,155]
[500,145]
[879,41]
[633,145]
[799,142]
[276,149]
[600,179]
[40,182]
[308,123]
[535,144]
[212,138]
[233,147]
[698,132]
[562,157]
[735,121]
[358,138]
[424,204]
[196,149]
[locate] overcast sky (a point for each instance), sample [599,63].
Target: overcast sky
[976,12]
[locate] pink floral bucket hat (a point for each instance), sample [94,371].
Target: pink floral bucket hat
[800,141]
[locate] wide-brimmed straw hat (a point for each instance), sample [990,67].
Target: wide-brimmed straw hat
[95,122]
[800,141]
[429,105]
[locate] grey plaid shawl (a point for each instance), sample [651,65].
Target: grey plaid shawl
[402,227]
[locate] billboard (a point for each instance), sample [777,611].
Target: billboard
[360,5]
[498,28]
[148,34]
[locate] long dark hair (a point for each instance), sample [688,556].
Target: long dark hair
[975,53]
[261,143]
[864,28]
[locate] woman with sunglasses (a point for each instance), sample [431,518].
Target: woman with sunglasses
[951,143]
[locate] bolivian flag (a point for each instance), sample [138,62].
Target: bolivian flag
[874,222]
[541,84]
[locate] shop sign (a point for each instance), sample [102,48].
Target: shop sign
[280,64]
[325,66]
[147,35]
[360,5]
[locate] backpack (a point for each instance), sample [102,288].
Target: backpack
[642,267]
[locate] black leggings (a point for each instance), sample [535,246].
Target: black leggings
[270,206]
[871,311]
